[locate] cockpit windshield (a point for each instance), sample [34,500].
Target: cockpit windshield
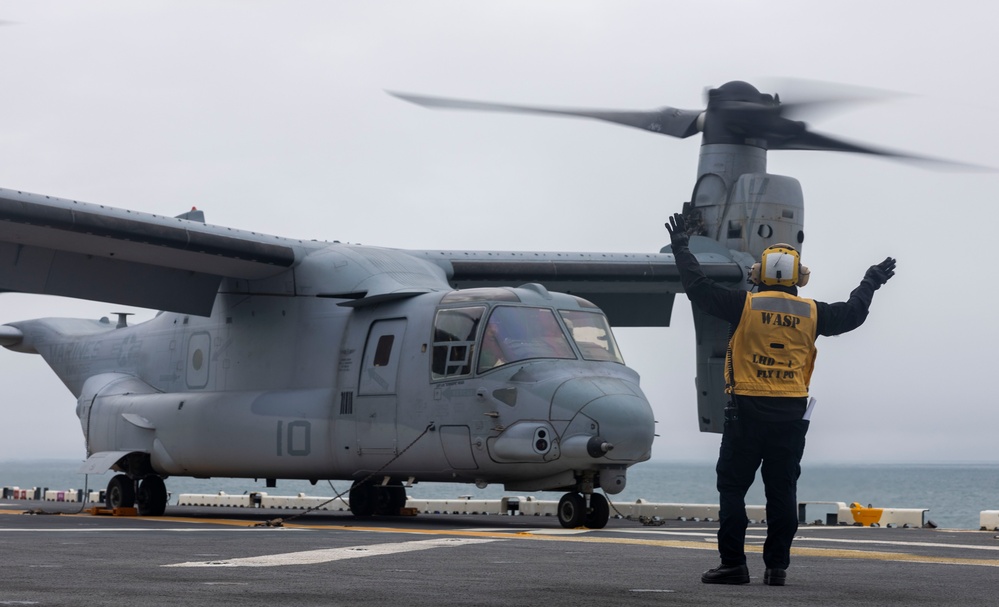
[592,335]
[515,333]
[519,333]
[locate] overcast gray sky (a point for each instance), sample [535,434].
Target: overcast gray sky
[272,117]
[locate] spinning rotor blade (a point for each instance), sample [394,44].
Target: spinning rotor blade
[810,140]
[665,120]
[737,113]
[801,98]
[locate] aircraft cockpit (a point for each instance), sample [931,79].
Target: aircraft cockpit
[479,330]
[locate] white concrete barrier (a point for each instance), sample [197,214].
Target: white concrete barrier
[642,508]
[219,499]
[302,502]
[904,517]
[17,493]
[837,513]
[529,506]
[989,520]
[458,506]
[68,495]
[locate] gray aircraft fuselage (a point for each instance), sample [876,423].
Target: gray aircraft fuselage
[279,386]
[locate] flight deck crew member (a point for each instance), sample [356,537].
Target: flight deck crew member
[769,364]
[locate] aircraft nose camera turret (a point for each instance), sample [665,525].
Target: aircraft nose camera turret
[541,443]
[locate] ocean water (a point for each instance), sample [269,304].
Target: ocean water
[954,494]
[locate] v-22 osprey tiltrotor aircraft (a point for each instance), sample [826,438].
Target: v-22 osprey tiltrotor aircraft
[277,358]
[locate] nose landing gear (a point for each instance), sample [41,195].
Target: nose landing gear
[574,511]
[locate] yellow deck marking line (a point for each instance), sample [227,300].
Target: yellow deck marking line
[898,557]
[901,557]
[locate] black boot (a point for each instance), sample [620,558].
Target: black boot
[774,577]
[726,574]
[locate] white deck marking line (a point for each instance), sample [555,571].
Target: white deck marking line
[311,557]
[896,543]
[559,531]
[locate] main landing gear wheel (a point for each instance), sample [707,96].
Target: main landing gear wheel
[362,499]
[571,510]
[151,498]
[390,498]
[599,512]
[368,498]
[120,492]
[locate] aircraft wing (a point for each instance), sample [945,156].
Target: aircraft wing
[63,247]
[633,289]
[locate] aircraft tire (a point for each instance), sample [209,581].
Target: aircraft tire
[390,499]
[362,500]
[120,492]
[151,498]
[599,512]
[571,510]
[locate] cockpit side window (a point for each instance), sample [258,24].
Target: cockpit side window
[592,335]
[520,333]
[454,341]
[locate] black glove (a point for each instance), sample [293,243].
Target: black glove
[879,274]
[677,229]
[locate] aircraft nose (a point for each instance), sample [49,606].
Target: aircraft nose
[613,410]
[626,423]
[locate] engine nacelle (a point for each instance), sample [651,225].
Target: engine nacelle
[737,204]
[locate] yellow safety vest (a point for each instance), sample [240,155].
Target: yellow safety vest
[772,351]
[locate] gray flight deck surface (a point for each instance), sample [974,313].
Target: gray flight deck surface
[216,556]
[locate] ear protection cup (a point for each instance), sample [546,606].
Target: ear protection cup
[803,274]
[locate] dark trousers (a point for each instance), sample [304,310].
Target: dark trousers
[778,446]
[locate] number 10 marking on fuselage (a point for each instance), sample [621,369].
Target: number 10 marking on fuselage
[296,439]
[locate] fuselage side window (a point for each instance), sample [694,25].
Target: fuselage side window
[592,335]
[454,341]
[383,351]
[521,333]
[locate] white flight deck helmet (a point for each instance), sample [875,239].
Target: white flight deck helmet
[779,264]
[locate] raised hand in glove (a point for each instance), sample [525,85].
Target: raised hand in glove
[879,274]
[677,228]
